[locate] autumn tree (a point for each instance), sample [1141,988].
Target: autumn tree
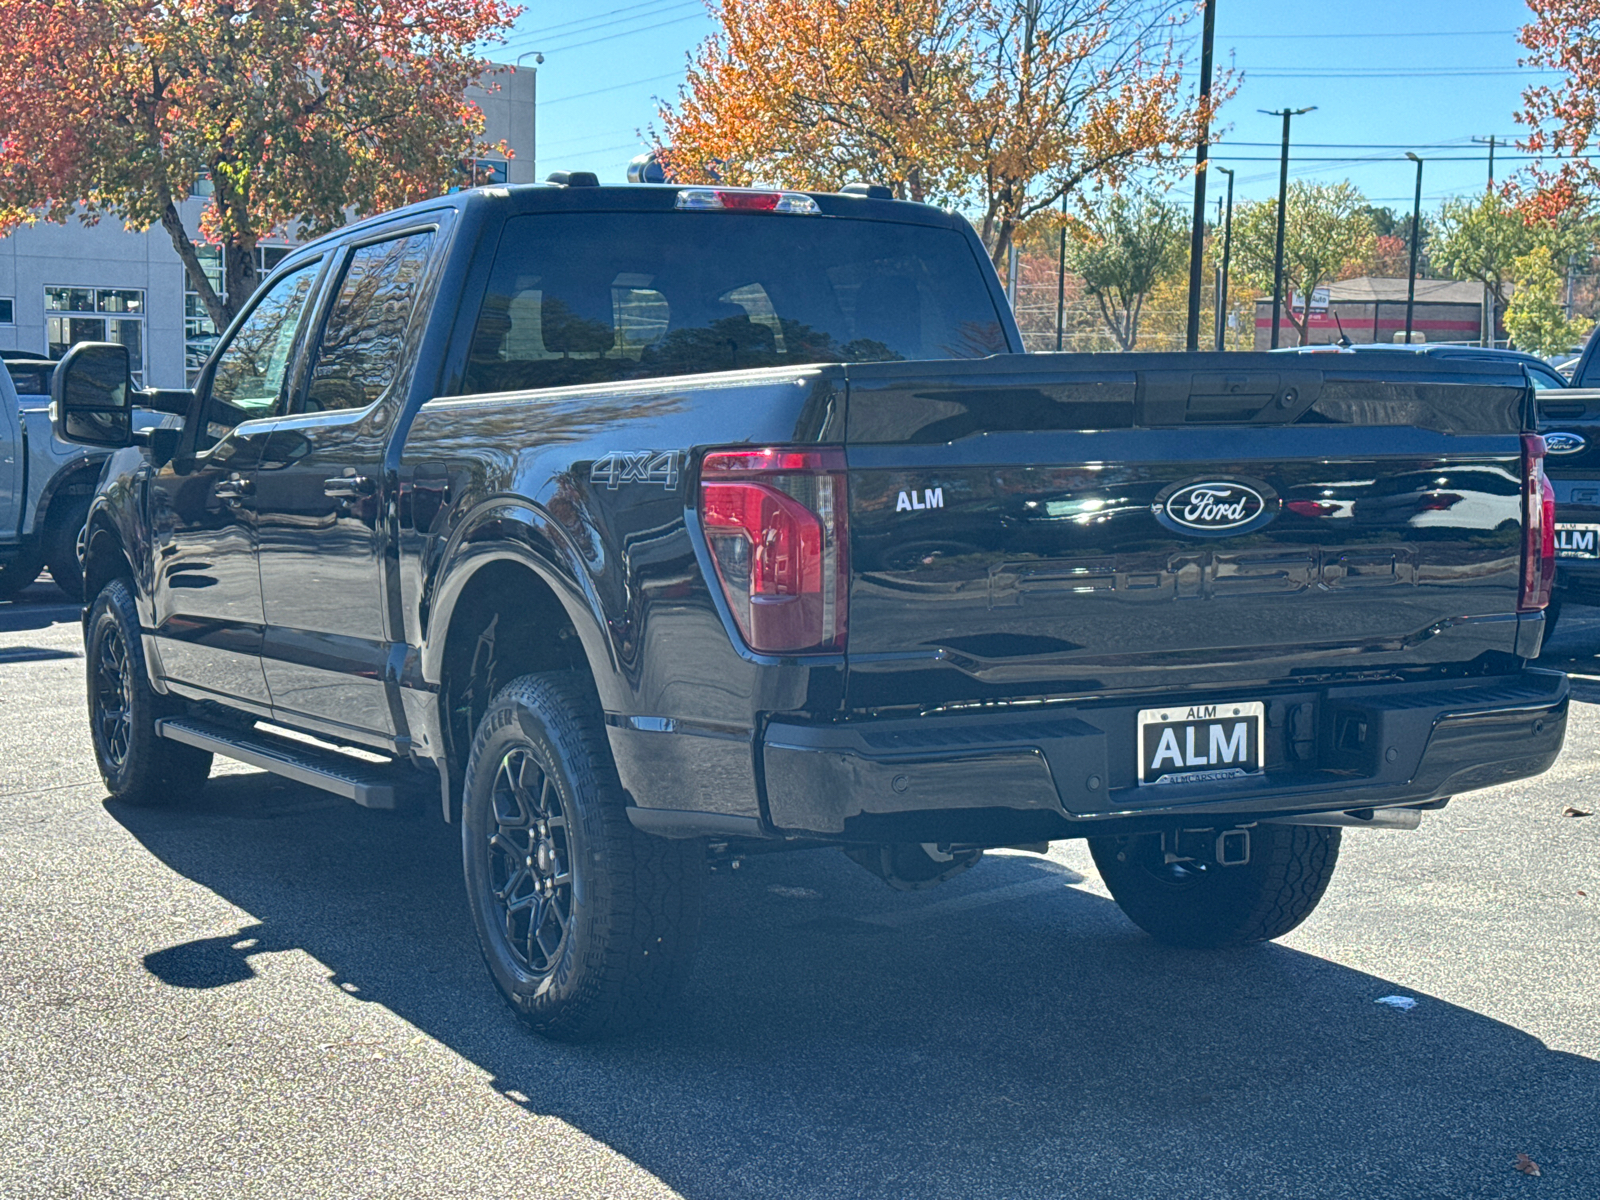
[297,111]
[1562,117]
[1482,239]
[1122,249]
[999,106]
[1326,226]
[1535,318]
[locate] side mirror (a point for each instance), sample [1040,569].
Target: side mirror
[91,396]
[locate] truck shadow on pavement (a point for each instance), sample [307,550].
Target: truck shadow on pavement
[841,1039]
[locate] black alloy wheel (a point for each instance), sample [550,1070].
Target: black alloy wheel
[530,862]
[587,925]
[111,699]
[138,766]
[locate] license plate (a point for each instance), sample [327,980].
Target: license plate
[1577,541]
[1190,743]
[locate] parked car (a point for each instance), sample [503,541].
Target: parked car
[1540,372]
[45,483]
[646,523]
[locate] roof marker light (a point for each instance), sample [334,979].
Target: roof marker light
[746,200]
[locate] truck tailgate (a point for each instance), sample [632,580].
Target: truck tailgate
[1047,525]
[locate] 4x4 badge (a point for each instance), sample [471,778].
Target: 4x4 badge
[636,466]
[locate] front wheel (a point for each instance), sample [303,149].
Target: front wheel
[1187,903]
[586,924]
[138,766]
[63,543]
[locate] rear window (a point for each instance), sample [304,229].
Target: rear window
[31,378]
[596,298]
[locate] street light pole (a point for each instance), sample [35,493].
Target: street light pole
[1227,253]
[533,123]
[1061,274]
[1197,237]
[1283,203]
[1416,226]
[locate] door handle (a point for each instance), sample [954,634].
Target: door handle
[235,488]
[347,487]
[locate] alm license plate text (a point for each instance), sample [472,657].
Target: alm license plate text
[1188,743]
[1577,541]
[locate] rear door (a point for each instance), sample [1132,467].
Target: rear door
[321,500]
[1022,528]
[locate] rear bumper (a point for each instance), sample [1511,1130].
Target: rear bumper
[969,777]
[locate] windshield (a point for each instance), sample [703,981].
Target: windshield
[590,298]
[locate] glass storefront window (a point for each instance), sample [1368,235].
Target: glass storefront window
[81,315]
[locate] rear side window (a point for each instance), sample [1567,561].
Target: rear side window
[594,298]
[363,341]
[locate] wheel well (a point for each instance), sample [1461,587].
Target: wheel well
[506,623]
[104,559]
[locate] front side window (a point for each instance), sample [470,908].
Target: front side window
[363,342]
[252,374]
[596,298]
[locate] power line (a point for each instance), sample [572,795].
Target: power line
[547,30]
[1281,37]
[1392,72]
[610,37]
[616,87]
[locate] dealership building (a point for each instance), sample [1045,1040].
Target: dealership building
[61,284]
[1371,309]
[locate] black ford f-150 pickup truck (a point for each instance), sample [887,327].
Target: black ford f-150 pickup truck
[647,522]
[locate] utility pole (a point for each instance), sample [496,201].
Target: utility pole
[1227,252]
[1283,203]
[1489,142]
[1416,237]
[1486,325]
[1061,275]
[1197,237]
[533,121]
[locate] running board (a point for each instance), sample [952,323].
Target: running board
[368,784]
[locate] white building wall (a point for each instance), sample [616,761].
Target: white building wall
[106,255]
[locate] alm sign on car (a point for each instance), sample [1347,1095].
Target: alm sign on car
[1213,507]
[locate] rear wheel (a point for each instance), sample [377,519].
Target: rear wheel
[586,924]
[138,766]
[63,538]
[1207,905]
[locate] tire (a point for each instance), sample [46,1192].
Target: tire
[62,532]
[18,574]
[1212,906]
[1552,614]
[586,925]
[138,767]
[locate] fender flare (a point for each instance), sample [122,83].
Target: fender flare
[511,529]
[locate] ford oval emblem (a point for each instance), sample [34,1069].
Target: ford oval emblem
[1563,443]
[1213,506]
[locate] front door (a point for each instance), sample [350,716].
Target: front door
[321,500]
[207,587]
[10,462]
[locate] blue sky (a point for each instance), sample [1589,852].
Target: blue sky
[1428,75]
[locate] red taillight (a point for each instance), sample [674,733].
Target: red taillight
[774,521]
[1538,527]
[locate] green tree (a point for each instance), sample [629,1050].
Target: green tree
[1481,240]
[296,111]
[1326,226]
[1535,318]
[1123,248]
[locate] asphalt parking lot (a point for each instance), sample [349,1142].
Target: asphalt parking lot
[267,992]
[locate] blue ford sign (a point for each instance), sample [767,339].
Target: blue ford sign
[1563,443]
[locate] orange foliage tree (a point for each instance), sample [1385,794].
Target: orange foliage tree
[1564,118]
[296,110]
[1000,106]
